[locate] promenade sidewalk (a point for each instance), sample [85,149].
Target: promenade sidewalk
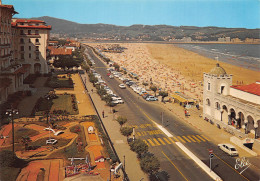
[132,166]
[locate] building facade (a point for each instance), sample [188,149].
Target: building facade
[30,44]
[224,104]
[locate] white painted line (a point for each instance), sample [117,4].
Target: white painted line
[164,130]
[202,165]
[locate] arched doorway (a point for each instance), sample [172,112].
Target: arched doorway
[225,114]
[232,117]
[37,68]
[250,124]
[241,119]
[207,107]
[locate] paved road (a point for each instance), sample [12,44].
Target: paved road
[172,159]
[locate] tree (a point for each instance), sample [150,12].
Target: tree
[65,61]
[126,131]
[163,94]
[139,147]
[150,164]
[121,120]
[92,78]
[25,141]
[154,89]
[108,99]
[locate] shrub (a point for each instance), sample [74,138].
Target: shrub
[121,120]
[126,131]
[139,147]
[150,164]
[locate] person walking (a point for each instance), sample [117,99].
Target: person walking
[103,114]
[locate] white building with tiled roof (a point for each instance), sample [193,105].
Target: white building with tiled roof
[237,105]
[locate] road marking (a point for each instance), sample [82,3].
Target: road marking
[201,138]
[205,137]
[150,141]
[156,141]
[196,138]
[161,141]
[182,140]
[167,141]
[171,139]
[231,167]
[176,139]
[186,139]
[191,138]
[174,165]
[146,143]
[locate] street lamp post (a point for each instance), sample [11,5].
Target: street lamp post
[11,113]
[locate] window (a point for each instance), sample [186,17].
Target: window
[30,48]
[37,48]
[21,32]
[36,32]
[222,89]
[208,102]
[29,32]
[30,55]
[30,40]
[36,40]
[22,56]
[37,56]
[22,48]
[208,86]
[22,40]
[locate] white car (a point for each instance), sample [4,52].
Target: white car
[117,100]
[229,149]
[122,86]
[51,141]
[151,98]
[111,76]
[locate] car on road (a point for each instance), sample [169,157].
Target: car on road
[117,100]
[111,76]
[122,86]
[151,98]
[229,149]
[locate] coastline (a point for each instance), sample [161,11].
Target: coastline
[172,68]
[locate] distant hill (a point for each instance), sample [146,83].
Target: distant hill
[146,32]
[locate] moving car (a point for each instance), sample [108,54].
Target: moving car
[122,86]
[229,149]
[151,98]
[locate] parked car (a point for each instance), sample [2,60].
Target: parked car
[145,95]
[151,98]
[117,100]
[111,76]
[51,141]
[122,86]
[229,149]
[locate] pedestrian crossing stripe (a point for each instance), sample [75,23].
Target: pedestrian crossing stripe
[170,140]
[167,141]
[196,138]
[191,138]
[161,141]
[201,138]
[186,139]
[205,137]
[155,140]
[150,141]
[182,140]
[146,142]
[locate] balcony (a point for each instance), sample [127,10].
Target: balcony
[5,45]
[37,43]
[7,55]
[37,59]
[32,35]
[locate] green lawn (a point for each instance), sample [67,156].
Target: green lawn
[64,102]
[60,83]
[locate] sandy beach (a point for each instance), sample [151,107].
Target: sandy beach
[172,68]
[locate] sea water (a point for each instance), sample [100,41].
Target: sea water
[243,55]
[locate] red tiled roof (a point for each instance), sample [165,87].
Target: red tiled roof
[35,27]
[30,26]
[29,21]
[60,51]
[251,88]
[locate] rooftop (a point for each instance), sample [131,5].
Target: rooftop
[218,70]
[253,88]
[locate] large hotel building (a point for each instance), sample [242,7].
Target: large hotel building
[23,50]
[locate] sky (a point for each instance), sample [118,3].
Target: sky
[220,13]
